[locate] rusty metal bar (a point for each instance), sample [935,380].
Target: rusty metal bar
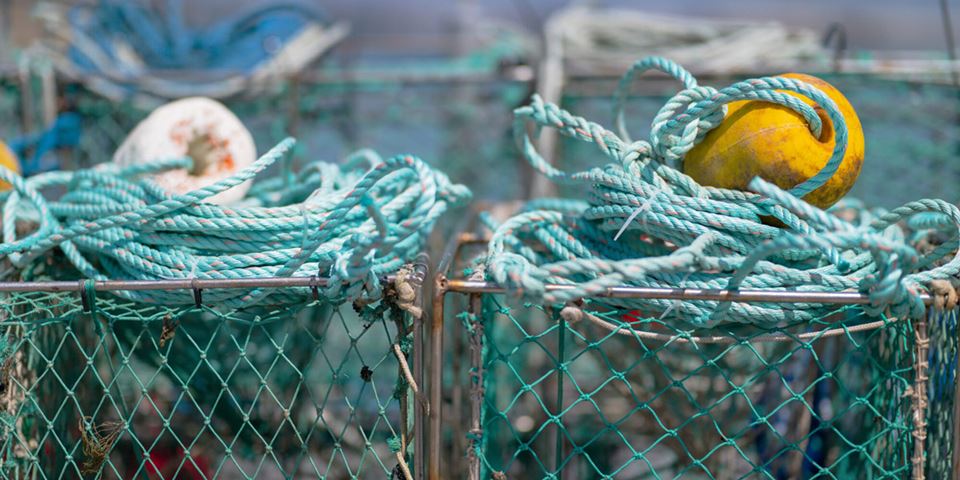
[419,436]
[746,296]
[173,284]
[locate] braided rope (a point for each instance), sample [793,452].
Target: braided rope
[350,223]
[647,224]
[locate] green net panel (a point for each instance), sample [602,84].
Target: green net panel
[107,388]
[582,393]
[942,426]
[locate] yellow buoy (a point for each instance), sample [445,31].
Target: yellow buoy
[774,142]
[8,160]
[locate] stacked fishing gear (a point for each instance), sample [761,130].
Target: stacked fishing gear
[132,218]
[595,39]
[647,224]
[121,49]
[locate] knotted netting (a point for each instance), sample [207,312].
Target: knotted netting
[111,388]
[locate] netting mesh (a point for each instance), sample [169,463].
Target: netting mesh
[125,390]
[587,396]
[942,414]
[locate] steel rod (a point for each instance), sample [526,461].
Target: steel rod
[758,296]
[173,284]
[435,418]
[419,434]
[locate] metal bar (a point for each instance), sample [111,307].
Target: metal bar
[524,74]
[27,101]
[399,75]
[908,64]
[419,443]
[456,350]
[436,365]
[758,296]
[175,284]
[436,378]
[948,36]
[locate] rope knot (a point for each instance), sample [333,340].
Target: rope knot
[944,294]
[516,273]
[891,289]
[636,151]
[571,314]
[406,292]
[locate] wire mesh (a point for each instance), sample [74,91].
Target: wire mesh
[589,396]
[94,385]
[942,418]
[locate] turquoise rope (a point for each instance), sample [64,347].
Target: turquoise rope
[351,223]
[645,223]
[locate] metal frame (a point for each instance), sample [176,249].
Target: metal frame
[444,283]
[427,427]
[416,279]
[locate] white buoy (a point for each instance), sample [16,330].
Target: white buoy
[200,128]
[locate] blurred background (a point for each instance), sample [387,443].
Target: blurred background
[378,25]
[440,79]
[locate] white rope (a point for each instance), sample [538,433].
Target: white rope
[572,314]
[612,39]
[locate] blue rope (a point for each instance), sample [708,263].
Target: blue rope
[238,42]
[34,149]
[645,223]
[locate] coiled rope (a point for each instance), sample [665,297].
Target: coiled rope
[647,224]
[351,223]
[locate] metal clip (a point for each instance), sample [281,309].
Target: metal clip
[86,292]
[314,288]
[197,294]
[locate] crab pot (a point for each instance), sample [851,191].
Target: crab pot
[96,386]
[589,390]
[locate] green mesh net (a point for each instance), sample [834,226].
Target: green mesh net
[942,429]
[109,388]
[461,128]
[589,392]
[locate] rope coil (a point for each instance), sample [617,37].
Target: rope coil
[647,224]
[352,223]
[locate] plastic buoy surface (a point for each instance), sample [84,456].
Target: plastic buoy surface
[758,138]
[202,129]
[8,160]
